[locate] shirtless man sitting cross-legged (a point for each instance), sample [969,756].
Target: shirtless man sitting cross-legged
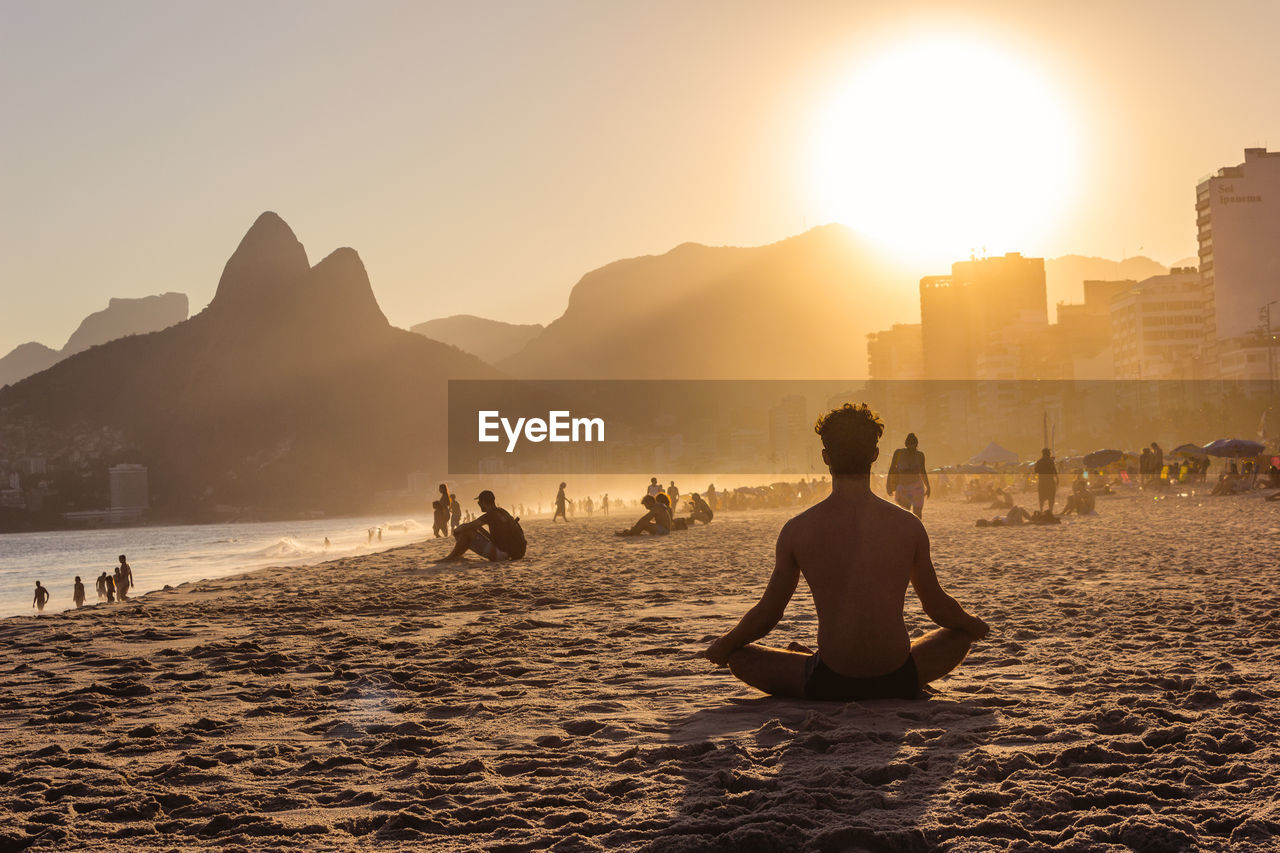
[857,553]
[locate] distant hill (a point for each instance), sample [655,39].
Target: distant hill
[290,391]
[1064,276]
[26,359]
[799,308]
[121,317]
[491,340]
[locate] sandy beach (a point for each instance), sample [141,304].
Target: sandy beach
[1127,699]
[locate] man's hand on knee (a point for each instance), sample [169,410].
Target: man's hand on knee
[719,651]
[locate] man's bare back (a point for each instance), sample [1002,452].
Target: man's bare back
[857,560]
[858,553]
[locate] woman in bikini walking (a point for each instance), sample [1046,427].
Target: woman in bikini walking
[908,477]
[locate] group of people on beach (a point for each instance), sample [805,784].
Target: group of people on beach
[659,518]
[110,586]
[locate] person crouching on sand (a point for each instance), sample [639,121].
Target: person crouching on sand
[504,539]
[858,553]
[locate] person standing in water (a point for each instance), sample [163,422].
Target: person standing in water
[42,595]
[102,586]
[78,594]
[908,477]
[561,501]
[124,578]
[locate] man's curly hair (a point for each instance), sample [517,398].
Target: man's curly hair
[850,434]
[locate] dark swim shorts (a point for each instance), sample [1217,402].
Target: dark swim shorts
[823,682]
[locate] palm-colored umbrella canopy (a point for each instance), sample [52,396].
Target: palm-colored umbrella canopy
[1099,458]
[1235,447]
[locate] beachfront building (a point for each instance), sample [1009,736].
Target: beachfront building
[129,488]
[895,366]
[896,353]
[1081,338]
[983,303]
[1158,327]
[791,445]
[1248,358]
[1238,227]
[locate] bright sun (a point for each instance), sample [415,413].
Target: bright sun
[943,145]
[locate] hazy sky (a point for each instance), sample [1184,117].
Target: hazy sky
[482,156]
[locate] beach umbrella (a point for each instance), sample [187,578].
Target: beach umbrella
[994,454]
[1235,447]
[1193,451]
[1102,458]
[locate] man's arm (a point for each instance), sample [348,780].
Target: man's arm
[762,618]
[924,472]
[938,606]
[472,526]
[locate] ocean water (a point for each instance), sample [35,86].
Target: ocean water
[161,556]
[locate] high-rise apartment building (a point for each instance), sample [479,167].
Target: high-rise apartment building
[982,303]
[1238,222]
[1158,327]
[896,353]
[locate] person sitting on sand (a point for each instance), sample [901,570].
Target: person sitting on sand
[77,594]
[656,521]
[1081,501]
[41,596]
[857,553]
[1000,499]
[504,539]
[701,511]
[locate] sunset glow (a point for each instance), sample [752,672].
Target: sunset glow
[942,145]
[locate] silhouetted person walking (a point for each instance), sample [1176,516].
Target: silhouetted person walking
[908,477]
[78,594]
[41,596]
[561,502]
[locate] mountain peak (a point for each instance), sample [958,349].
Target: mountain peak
[268,259]
[338,295]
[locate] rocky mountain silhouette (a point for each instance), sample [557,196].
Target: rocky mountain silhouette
[121,317]
[290,391]
[799,308]
[491,340]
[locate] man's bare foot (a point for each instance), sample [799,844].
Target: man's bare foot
[793,646]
